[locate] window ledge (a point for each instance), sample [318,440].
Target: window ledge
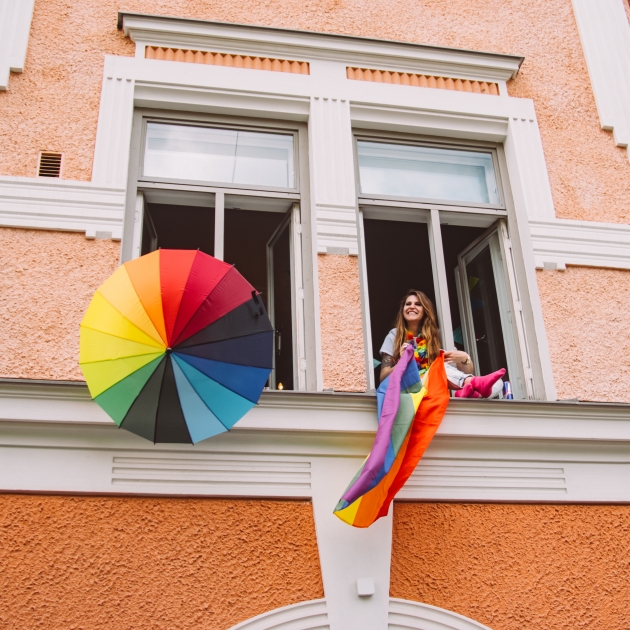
[25,400]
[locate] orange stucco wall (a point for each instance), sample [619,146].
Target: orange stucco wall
[122,562]
[47,280]
[54,103]
[516,567]
[341,324]
[590,361]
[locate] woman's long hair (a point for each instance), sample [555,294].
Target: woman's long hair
[428,326]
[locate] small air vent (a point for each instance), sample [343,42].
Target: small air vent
[49,164]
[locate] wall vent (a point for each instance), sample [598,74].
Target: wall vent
[226,59]
[422,80]
[49,164]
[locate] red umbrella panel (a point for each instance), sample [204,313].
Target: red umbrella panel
[176,346]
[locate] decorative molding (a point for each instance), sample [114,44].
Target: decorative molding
[286,43]
[330,135]
[228,60]
[311,615]
[563,242]
[56,204]
[15,27]
[113,135]
[605,34]
[403,614]
[533,177]
[421,80]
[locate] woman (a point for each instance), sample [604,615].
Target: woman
[416,324]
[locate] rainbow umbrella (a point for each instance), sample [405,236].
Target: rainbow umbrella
[176,346]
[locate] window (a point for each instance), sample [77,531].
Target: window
[232,192]
[433,219]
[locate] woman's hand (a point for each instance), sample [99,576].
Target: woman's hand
[460,359]
[403,348]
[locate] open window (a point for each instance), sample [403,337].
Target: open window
[432,218]
[233,193]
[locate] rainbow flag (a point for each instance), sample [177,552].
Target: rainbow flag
[409,413]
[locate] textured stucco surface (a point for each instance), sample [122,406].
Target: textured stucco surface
[516,567]
[54,104]
[587,319]
[119,563]
[341,324]
[47,280]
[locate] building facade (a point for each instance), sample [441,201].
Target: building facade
[338,153]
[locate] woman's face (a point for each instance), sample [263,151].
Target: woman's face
[413,311]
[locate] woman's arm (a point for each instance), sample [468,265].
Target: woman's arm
[387,366]
[460,359]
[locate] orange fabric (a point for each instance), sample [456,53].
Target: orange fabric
[425,424]
[144,273]
[175,265]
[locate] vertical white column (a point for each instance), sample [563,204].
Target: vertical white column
[332,181]
[219,224]
[439,280]
[113,135]
[15,27]
[348,553]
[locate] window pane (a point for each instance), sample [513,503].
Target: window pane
[426,172]
[219,155]
[484,304]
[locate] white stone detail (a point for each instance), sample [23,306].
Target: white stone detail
[111,154]
[15,27]
[56,204]
[334,191]
[605,34]
[311,615]
[563,242]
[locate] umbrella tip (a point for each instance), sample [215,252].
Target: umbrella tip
[169,350]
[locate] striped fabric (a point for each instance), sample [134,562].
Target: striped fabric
[410,412]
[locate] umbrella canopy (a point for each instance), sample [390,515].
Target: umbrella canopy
[176,346]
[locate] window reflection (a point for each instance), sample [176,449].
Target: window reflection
[219,155]
[426,172]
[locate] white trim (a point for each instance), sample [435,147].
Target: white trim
[311,615]
[403,614]
[605,34]
[561,242]
[55,204]
[305,46]
[15,27]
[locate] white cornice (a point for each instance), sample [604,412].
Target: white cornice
[57,204]
[341,413]
[306,46]
[561,242]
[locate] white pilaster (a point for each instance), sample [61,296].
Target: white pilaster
[333,185]
[605,34]
[347,553]
[532,168]
[15,26]
[111,155]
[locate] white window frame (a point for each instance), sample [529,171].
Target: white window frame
[493,216]
[215,193]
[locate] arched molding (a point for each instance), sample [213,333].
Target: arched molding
[403,615]
[311,615]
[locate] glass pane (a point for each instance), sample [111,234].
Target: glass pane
[484,305]
[426,172]
[219,155]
